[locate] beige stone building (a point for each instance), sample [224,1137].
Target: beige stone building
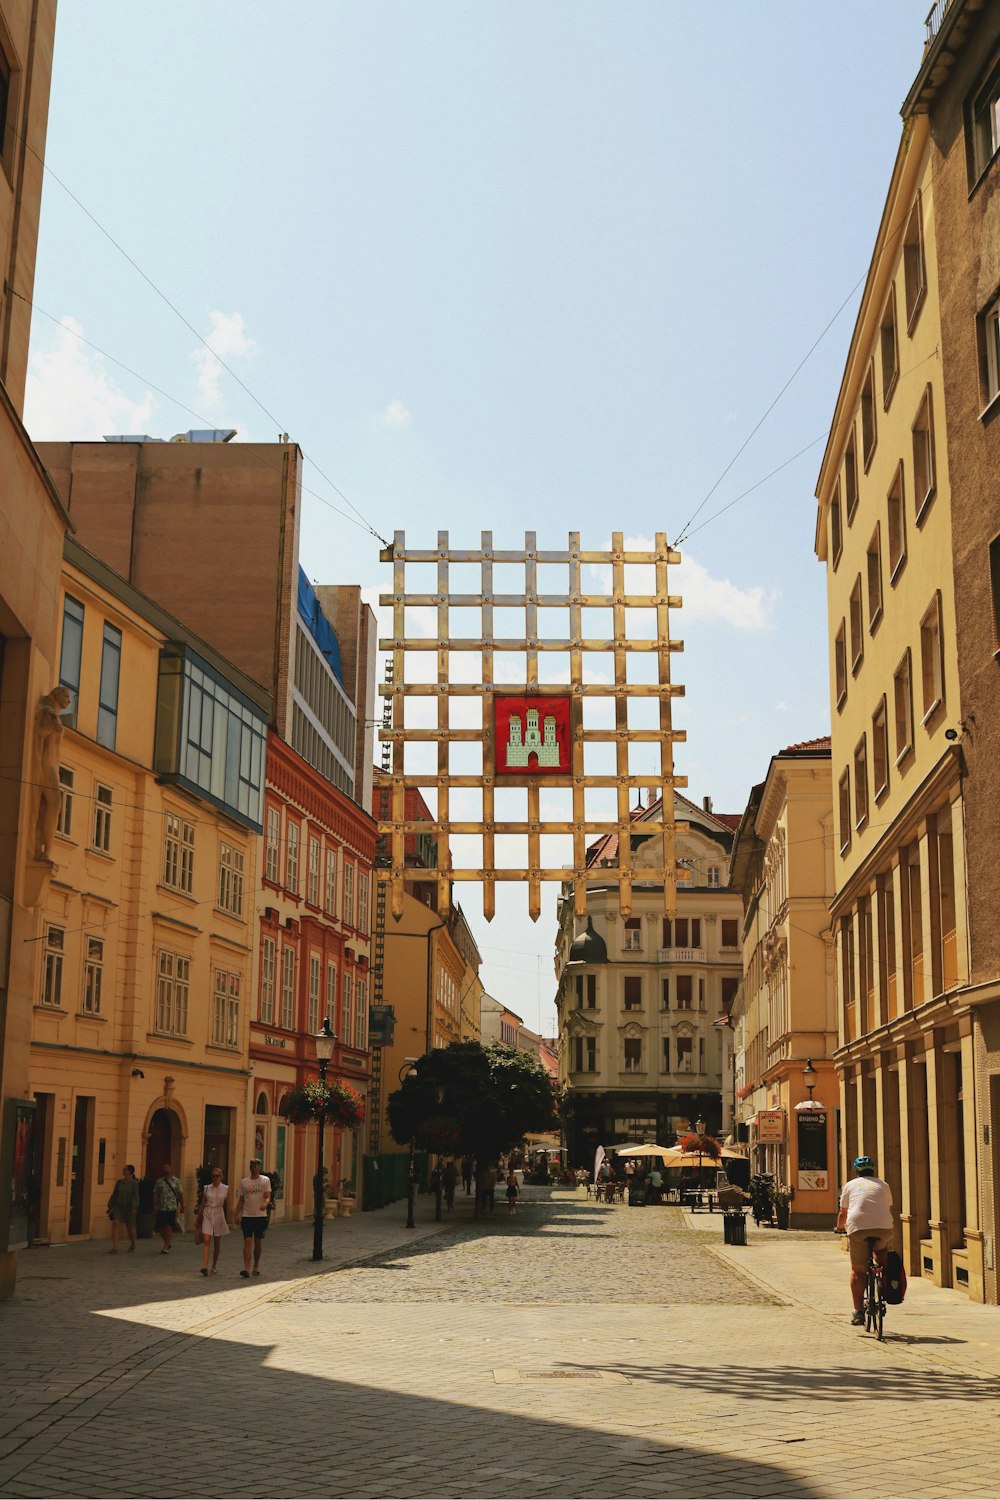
[784,1018]
[899,913]
[957,92]
[32,525]
[640,1000]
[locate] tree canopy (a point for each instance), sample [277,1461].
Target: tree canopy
[472,1099]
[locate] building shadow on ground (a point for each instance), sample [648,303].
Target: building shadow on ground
[804,1382]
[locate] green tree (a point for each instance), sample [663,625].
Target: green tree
[485,1099]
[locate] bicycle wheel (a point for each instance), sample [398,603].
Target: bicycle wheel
[871,1302]
[879,1308]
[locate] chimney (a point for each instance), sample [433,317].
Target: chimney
[706,803]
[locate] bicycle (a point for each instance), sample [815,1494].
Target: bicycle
[873,1301]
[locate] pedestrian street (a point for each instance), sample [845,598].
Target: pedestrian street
[572,1349]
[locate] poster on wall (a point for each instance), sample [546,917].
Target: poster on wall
[813,1162]
[770,1127]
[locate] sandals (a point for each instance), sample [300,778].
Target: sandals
[204,1270]
[245,1275]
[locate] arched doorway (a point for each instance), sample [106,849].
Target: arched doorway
[163,1143]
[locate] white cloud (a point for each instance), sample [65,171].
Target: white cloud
[718,600]
[228,338]
[394,415]
[72,394]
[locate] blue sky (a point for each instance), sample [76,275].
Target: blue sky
[495,265]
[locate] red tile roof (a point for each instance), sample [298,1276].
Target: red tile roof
[805,747]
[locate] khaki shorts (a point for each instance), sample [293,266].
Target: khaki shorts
[858,1245]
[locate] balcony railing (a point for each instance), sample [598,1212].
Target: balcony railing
[681,956]
[936,15]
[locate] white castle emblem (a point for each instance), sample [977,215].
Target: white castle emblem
[522,743]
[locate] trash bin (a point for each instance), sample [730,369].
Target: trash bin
[734,1228]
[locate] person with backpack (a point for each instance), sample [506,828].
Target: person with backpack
[865,1213]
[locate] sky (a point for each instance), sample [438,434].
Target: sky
[495,266]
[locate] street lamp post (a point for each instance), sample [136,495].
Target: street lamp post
[325,1041]
[408,1070]
[700,1127]
[809,1077]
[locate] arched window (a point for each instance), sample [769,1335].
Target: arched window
[283,1105]
[262,1107]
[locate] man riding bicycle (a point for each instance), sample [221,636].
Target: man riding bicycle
[865,1213]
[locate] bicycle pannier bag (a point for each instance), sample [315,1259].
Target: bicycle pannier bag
[894,1278]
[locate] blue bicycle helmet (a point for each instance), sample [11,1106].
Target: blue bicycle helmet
[864,1166]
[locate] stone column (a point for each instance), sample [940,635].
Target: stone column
[929,914]
[914,1204]
[969,1146]
[963,961]
[887,1124]
[943,1148]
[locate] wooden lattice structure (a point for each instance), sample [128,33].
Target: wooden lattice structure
[619,649]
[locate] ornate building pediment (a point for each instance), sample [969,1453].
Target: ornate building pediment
[633,1029]
[684,1028]
[581,1025]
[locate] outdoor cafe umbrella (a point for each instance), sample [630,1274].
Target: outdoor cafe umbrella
[673,1156]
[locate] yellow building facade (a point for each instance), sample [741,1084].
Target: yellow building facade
[784,1016]
[884,534]
[143,957]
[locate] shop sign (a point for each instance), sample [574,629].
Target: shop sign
[275,1041]
[813,1160]
[770,1127]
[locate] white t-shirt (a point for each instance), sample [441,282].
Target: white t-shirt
[254,1191]
[868,1201]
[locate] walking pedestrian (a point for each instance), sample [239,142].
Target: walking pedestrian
[450,1179]
[251,1210]
[467,1174]
[168,1201]
[210,1217]
[123,1205]
[486,1181]
[511,1190]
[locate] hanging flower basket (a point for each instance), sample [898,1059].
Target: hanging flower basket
[338,1103]
[704,1145]
[441,1134]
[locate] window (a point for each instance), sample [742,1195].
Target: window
[924,475]
[348,1008]
[984,121]
[209,737]
[591,991]
[902,691]
[52,966]
[107,703]
[685,871]
[836,537]
[931,659]
[840,664]
[330,892]
[312,876]
[633,935]
[714,877]
[730,988]
[362,901]
[665,1064]
[267,954]
[584,1054]
[730,932]
[844,810]
[93,976]
[5,92]
[685,992]
[173,979]
[687,932]
[896,508]
[348,893]
[331,995]
[851,477]
[861,782]
[685,1054]
[989,335]
[272,845]
[869,428]
[102,819]
[292,857]
[312,1013]
[994,590]
[65,822]
[633,992]
[914,272]
[361,1016]
[178,853]
[665,993]
[288,988]
[880,750]
[890,348]
[633,1054]
[226,1009]
[857,628]
[71,655]
[873,559]
[231,879]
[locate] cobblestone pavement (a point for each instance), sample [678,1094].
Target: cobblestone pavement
[575,1350]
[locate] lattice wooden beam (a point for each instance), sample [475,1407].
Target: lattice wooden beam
[571,770]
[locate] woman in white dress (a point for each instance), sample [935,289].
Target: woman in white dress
[211,1217]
